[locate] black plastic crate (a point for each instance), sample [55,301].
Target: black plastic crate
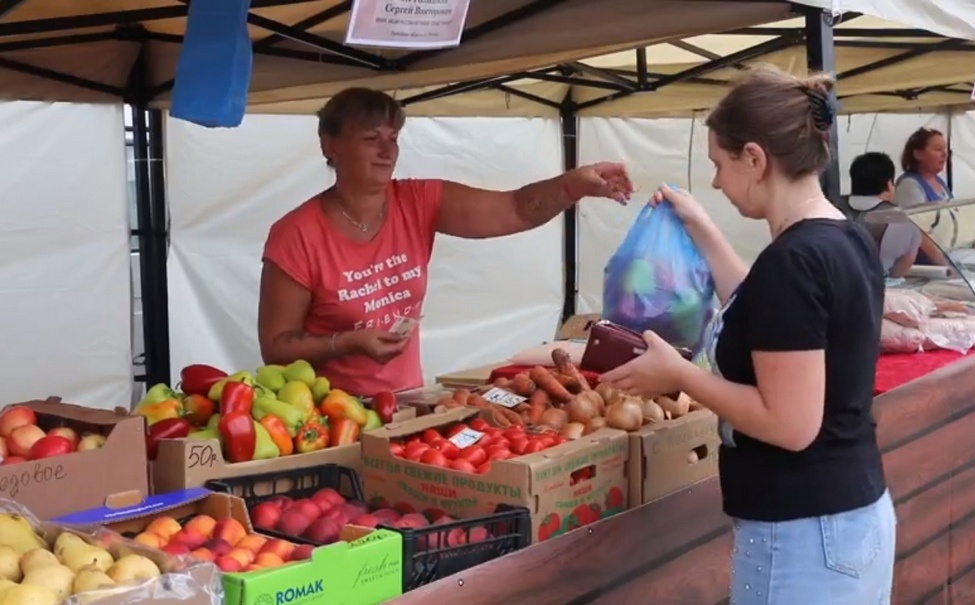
[297,483]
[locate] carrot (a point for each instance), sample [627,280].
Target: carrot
[564,363]
[522,384]
[549,384]
[571,384]
[462,395]
[502,383]
[448,402]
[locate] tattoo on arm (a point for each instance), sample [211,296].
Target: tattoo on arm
[540,202]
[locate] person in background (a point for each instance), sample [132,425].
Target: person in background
[872,189]
[345,273]
[792,355]
[924,158]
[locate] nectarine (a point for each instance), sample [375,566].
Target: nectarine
[252,542]
[281,548]
[176,549]
[229,530]
[202,524]
[218,546]
[164,527]
[203,554]
[245,557]
[151,540]
[267,559]
[301,552]
[228,564]
[189,538]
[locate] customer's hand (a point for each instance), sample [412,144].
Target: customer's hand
[655,372]
[379,345]
[605,179]
[687,208]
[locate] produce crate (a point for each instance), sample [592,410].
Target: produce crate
[427,555]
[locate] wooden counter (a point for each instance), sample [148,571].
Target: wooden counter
[676,550]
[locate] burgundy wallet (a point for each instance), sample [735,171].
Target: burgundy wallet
[611,345]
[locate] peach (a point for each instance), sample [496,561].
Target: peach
[252,542]
[252,567]
[228,564]
[230,530]
[293,523]
[218,547]
[14,418]
[245,557]
[189,538]
[151,540]
[164,527]
[176,548]
[267,559]
[23,438]
[302,552]
[329,495]
[203,554]
[281,548]
[202,524]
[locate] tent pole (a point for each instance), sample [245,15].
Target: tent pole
[950,171]
[570,161]
[160,242]
[821,57]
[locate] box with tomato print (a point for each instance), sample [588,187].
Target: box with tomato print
[50,449]
[456,462]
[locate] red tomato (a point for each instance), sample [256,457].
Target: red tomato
[479,424]
[413,439]
[431,435]
[396,449]
[462,465]
[500,454]
[546,442]
[415,449]
[457,428]
[533,446]
[514,432]
[486,440]
[519,446]
[560,440]
[433,458]
[448,449]
[476,454]
[484,468]
[502,441]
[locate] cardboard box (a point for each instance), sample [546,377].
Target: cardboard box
[186,463]
[89,477]
[671,455]
[423,399]
[365,567]
[472,377]
[564,487]
[577,327]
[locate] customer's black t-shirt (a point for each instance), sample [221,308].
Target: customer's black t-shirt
[818,286]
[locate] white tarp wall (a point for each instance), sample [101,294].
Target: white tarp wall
[226,187]
[486,299]
[65,290]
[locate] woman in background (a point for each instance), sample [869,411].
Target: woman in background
[793,354]
[923,160]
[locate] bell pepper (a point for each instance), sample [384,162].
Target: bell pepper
[238,436]
[170,428]
[204,434]
[213,422]
[216,391]
[264,446]
[160,410]
[279,434]
[289,415]
[198,409]
[158,393]
[197,379]
[343,431]
[374,422]
[311,438]
[385,405]
[339,404]
[236,397]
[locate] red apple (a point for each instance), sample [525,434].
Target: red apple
[23,438]
[306,507]
[265,515]
[412,521]
[14,417]
[387,516]
[366,520]
[281,502]
[328,495]
[68,433]
[293,523]
[322,531]
[13,460]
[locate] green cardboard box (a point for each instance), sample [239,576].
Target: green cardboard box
[366,570]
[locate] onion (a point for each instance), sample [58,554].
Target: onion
[594,425]
[625,415]
[573,430]
[652,412]
[678,407]
[692,457]
[608,392]
[554,418]
[582,409]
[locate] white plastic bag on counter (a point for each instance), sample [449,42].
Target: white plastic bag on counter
[951,333]
[895,338]
[907,308]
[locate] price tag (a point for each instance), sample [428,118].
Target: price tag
[503,397]
[466,438]
[201,455]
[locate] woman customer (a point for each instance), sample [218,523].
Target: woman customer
[923,160]
[345,273]
[793,353]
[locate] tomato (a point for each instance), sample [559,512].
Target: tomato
[560,440]
[462,465]
[396,449]
[479,424]
[486,440]
[413,451]
[448,449]
[484,468]
[457,428]
[500,454]
[433,458]
[431,435]
[413,439]
[519,446]
[514,432]
[546,442]
[476,454]
[502,441]
[533,447]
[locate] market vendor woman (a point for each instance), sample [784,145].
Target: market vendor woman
[345,270]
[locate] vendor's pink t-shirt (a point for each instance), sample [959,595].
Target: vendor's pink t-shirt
[356,285]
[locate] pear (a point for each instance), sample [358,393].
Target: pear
[39,558]
[298,395]
[10,564]
[320,389]
[132,569]
[30,594]
[76,557]
[5,585]
[271,377]
[56,577]
[300,371]
[17,533]
[91,578]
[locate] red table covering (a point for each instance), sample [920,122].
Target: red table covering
[893,369]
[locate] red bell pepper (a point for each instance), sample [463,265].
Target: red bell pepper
[343,432]
[385,405]
[197,379]
[311,437]
[238,435]
[170,428]
[236,397]
[198,409]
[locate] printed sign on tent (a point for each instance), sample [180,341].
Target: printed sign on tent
[407,23]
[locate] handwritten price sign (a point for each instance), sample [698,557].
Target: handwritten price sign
[201,456]
[24,475]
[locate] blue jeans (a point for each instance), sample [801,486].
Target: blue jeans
[842,559]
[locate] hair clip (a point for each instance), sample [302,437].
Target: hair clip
[822,109]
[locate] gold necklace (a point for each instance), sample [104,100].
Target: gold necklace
[363,227]
[789,221]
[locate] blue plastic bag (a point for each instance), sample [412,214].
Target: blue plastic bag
[658,280]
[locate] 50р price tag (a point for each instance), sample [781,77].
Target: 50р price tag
[503,397]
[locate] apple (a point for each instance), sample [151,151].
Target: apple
[68,433]
[15,417]
[13,460]
[293,523]
[23,438]
[266,515]
[281,502]
[91,441]
[328,495]
[306,507]
[322,531]
[366,520]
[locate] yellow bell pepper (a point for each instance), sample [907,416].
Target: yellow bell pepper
[161,410]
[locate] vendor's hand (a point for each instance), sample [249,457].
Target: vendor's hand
[379,345]
[687,208]
[653,373]
[605,179]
